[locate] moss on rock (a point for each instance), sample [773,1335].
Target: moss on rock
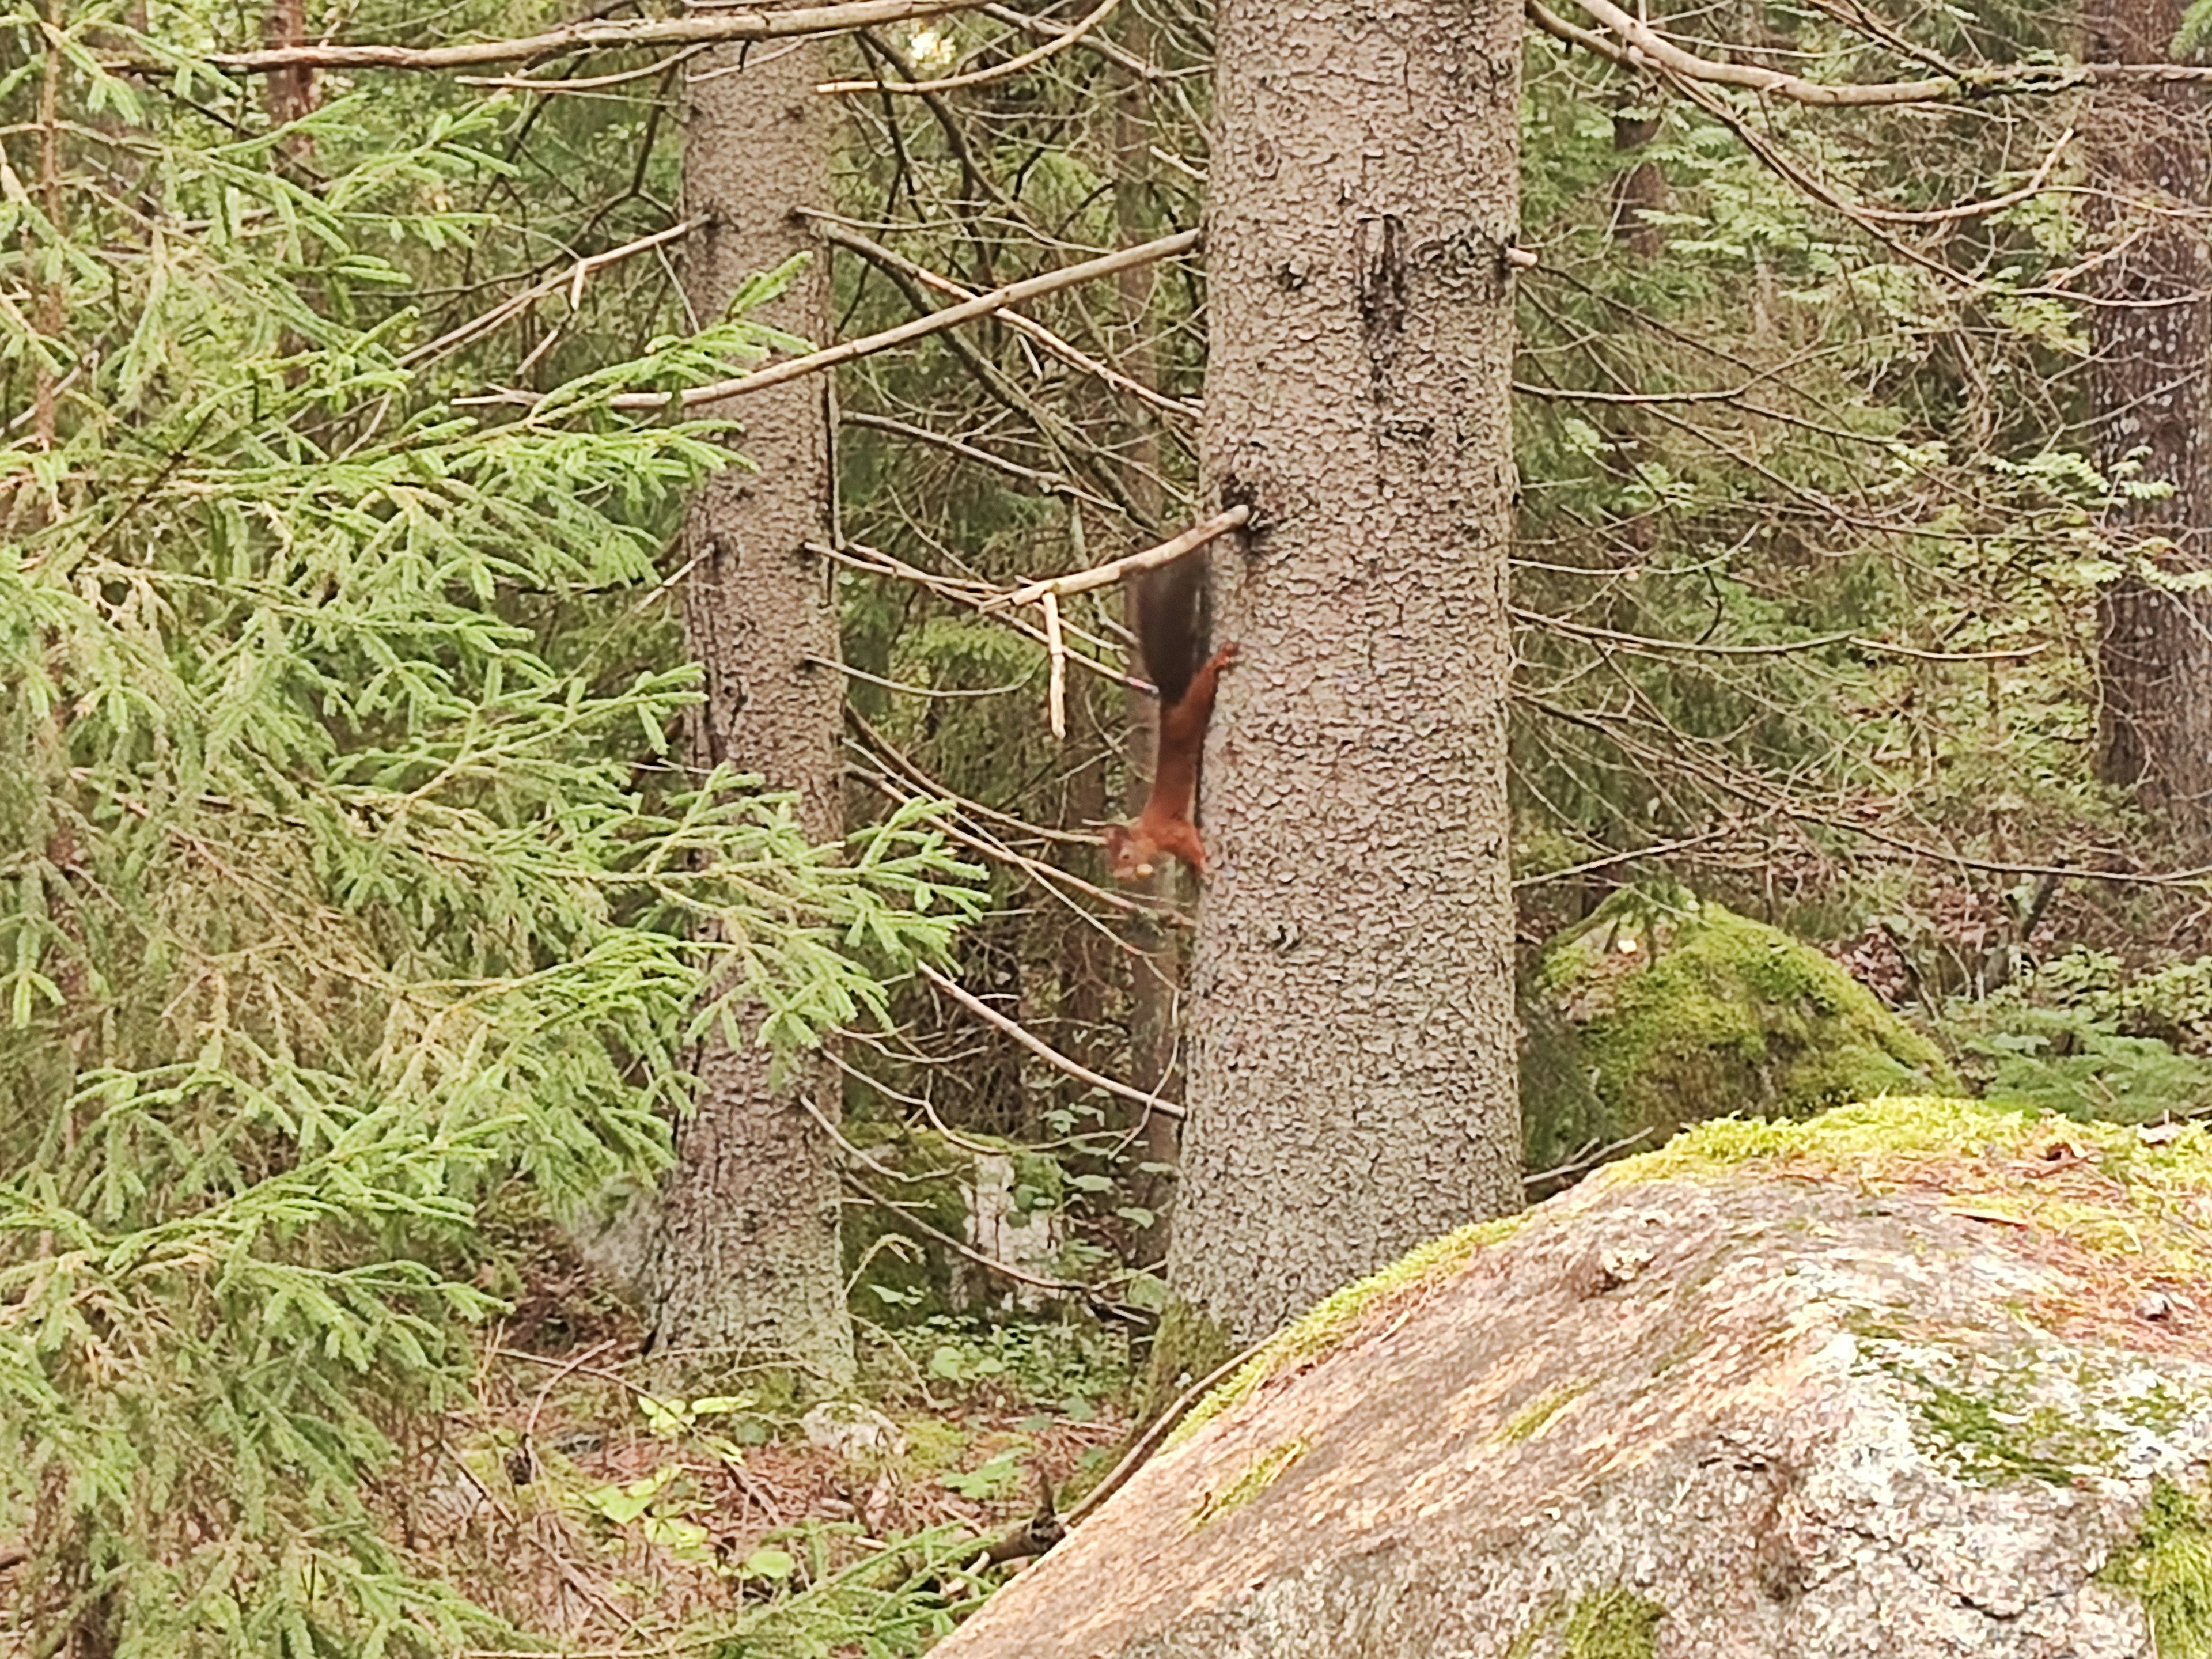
[1661,1010]
[1615,1624]
[2169,1571]
[1337,1315]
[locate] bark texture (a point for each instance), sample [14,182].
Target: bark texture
[1811,1411]
[2151,335]
[1351,1029]
[747,1253]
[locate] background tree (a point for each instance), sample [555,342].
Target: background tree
[345,904]
[746,1259]
[2151,336]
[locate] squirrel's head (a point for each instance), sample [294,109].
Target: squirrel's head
[1129,856]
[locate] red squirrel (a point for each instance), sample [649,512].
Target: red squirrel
[1170,618]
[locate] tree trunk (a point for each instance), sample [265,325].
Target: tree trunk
[1352,1045]
[2151,332]
[747,1253]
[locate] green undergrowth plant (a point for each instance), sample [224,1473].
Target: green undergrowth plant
[1069,1366]
[2083,1036]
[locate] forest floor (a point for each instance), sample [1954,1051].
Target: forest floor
[598,1514]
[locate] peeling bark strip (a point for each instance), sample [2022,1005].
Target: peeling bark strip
[2151,336]
[746,1259]
[1350,1057]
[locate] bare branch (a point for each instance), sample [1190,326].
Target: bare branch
[840,235]
[1044,1050]
[983,305]
[592,35]
[1048,483]
[1105,47]
[1014,65]
[573,279]
[1629,41]
[1100,574]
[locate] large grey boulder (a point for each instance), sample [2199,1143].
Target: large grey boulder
[1911,1379]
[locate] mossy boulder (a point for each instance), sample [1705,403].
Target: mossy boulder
[1912,1379]
[1661,1010]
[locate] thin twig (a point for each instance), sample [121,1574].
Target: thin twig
[1635,44]
[586,83]
[1050,484]
[1585,1160]
[591,34]
[839,235]
[1044,1051]
[1160,1428]
[573,278]
[983,305]
[1105,48]
[1014,65]
[1005,1270]
[901,686]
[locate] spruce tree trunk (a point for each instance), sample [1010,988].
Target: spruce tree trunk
[2150,332]
[746,1258]
[1351,1041]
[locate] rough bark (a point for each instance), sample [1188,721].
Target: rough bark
[1641,191]
[1832,1408]
[2151,335]
[1351,1029]
[747,1252]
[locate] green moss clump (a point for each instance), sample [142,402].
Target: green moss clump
[2143,1210]
[1614,1624]
[1266,1470]
[1548,1614]
[1897,1130]
[1661,1010]
[2169,1569]
[1895,1135]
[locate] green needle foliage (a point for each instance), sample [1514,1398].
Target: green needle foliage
[344,872]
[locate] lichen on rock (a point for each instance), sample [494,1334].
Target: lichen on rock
[1661,1010]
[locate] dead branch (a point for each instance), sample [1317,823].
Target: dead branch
[1044,1050]
[573,279]
[1635,45]
[983,305]
[1048,483]
[1014,65]
[839,236]
[592,35]
[1100,574]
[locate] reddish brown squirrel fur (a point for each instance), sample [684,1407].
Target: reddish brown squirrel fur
[1170,633]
